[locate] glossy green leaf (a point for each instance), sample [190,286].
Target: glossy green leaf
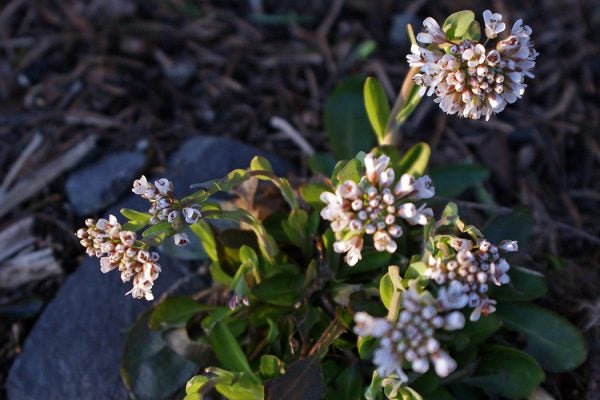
[281,289]
[377,105]
[352,171]
[525,285]
[134,215]
[161,229]
[415,270]
[506,372]
[366,345]
[551,339]
[303,380]
[457,24]
[412,101]
[259,163]
[518,225]
[204,232]
[453,180]
[311,193]
[174,311]
[414,161]
[270,366]
[149,368]
[321,163]
[479,331]
[473,32]
[386,290]
[348,384]
[371,261]
[195,384]
[228,351]
[346,122]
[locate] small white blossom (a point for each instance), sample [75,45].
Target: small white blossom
[464,279]
[181,239]
[493,24]
[375,206]
[471,80]
[412,339]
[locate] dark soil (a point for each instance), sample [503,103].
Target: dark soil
[154,72]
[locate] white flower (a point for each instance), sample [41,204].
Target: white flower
[191,215]
[509,245]
[164,186]
[452,296]
[443,364]
[352,247]
[348,190]
[493,24]
[366,325]
[454,321]
[423,187]
[383,242]
[375,166]
[181,239]
[433,33]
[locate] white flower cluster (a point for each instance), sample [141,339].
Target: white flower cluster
[469,79]
[373,206]
[412,339]
[164,207]
[117,248]
[465,277]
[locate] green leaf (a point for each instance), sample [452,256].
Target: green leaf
[346,122]
[270,366]
[174,311]
[415,161]
[366,346]
[228,351]
[259,163]
[349,384]
[551,339]
[371,261]
[352,170]
[480,330]
[525,285]
[473,32]
[281,289]
[518,225]
[311,193]
[386,290]
[453,180]
[160,229]
[377,105]
[412,101]
[303,380]
[149,368]
[415,270]
[134,215]
[321,163]
[457,24]
[204,232]
[195,384]
[507,372]
[236,386]
[440,393]
[407,393]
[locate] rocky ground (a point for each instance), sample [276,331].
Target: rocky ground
[95,92]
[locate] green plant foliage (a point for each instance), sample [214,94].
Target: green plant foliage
[228,351]
[415,160]
[346,119]
[526,285]
[378,108]
[457,25]
[175,311]
[507,372]
[551,339]
[453,180]
[516,225]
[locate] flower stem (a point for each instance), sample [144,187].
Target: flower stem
[394,272]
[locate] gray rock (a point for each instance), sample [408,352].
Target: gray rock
[74,350]
[96,186]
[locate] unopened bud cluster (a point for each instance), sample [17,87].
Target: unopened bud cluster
[465,277]
[118,249]
[469,79]
[412,339]
[165,207]
[374,206]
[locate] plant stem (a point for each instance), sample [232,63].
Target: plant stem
[394,272]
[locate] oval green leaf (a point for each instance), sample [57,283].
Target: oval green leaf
[551,339]
[377,105]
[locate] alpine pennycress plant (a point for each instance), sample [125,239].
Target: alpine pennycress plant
[419,306]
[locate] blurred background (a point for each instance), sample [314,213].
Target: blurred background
[80,80]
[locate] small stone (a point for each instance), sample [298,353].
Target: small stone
[95,187]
